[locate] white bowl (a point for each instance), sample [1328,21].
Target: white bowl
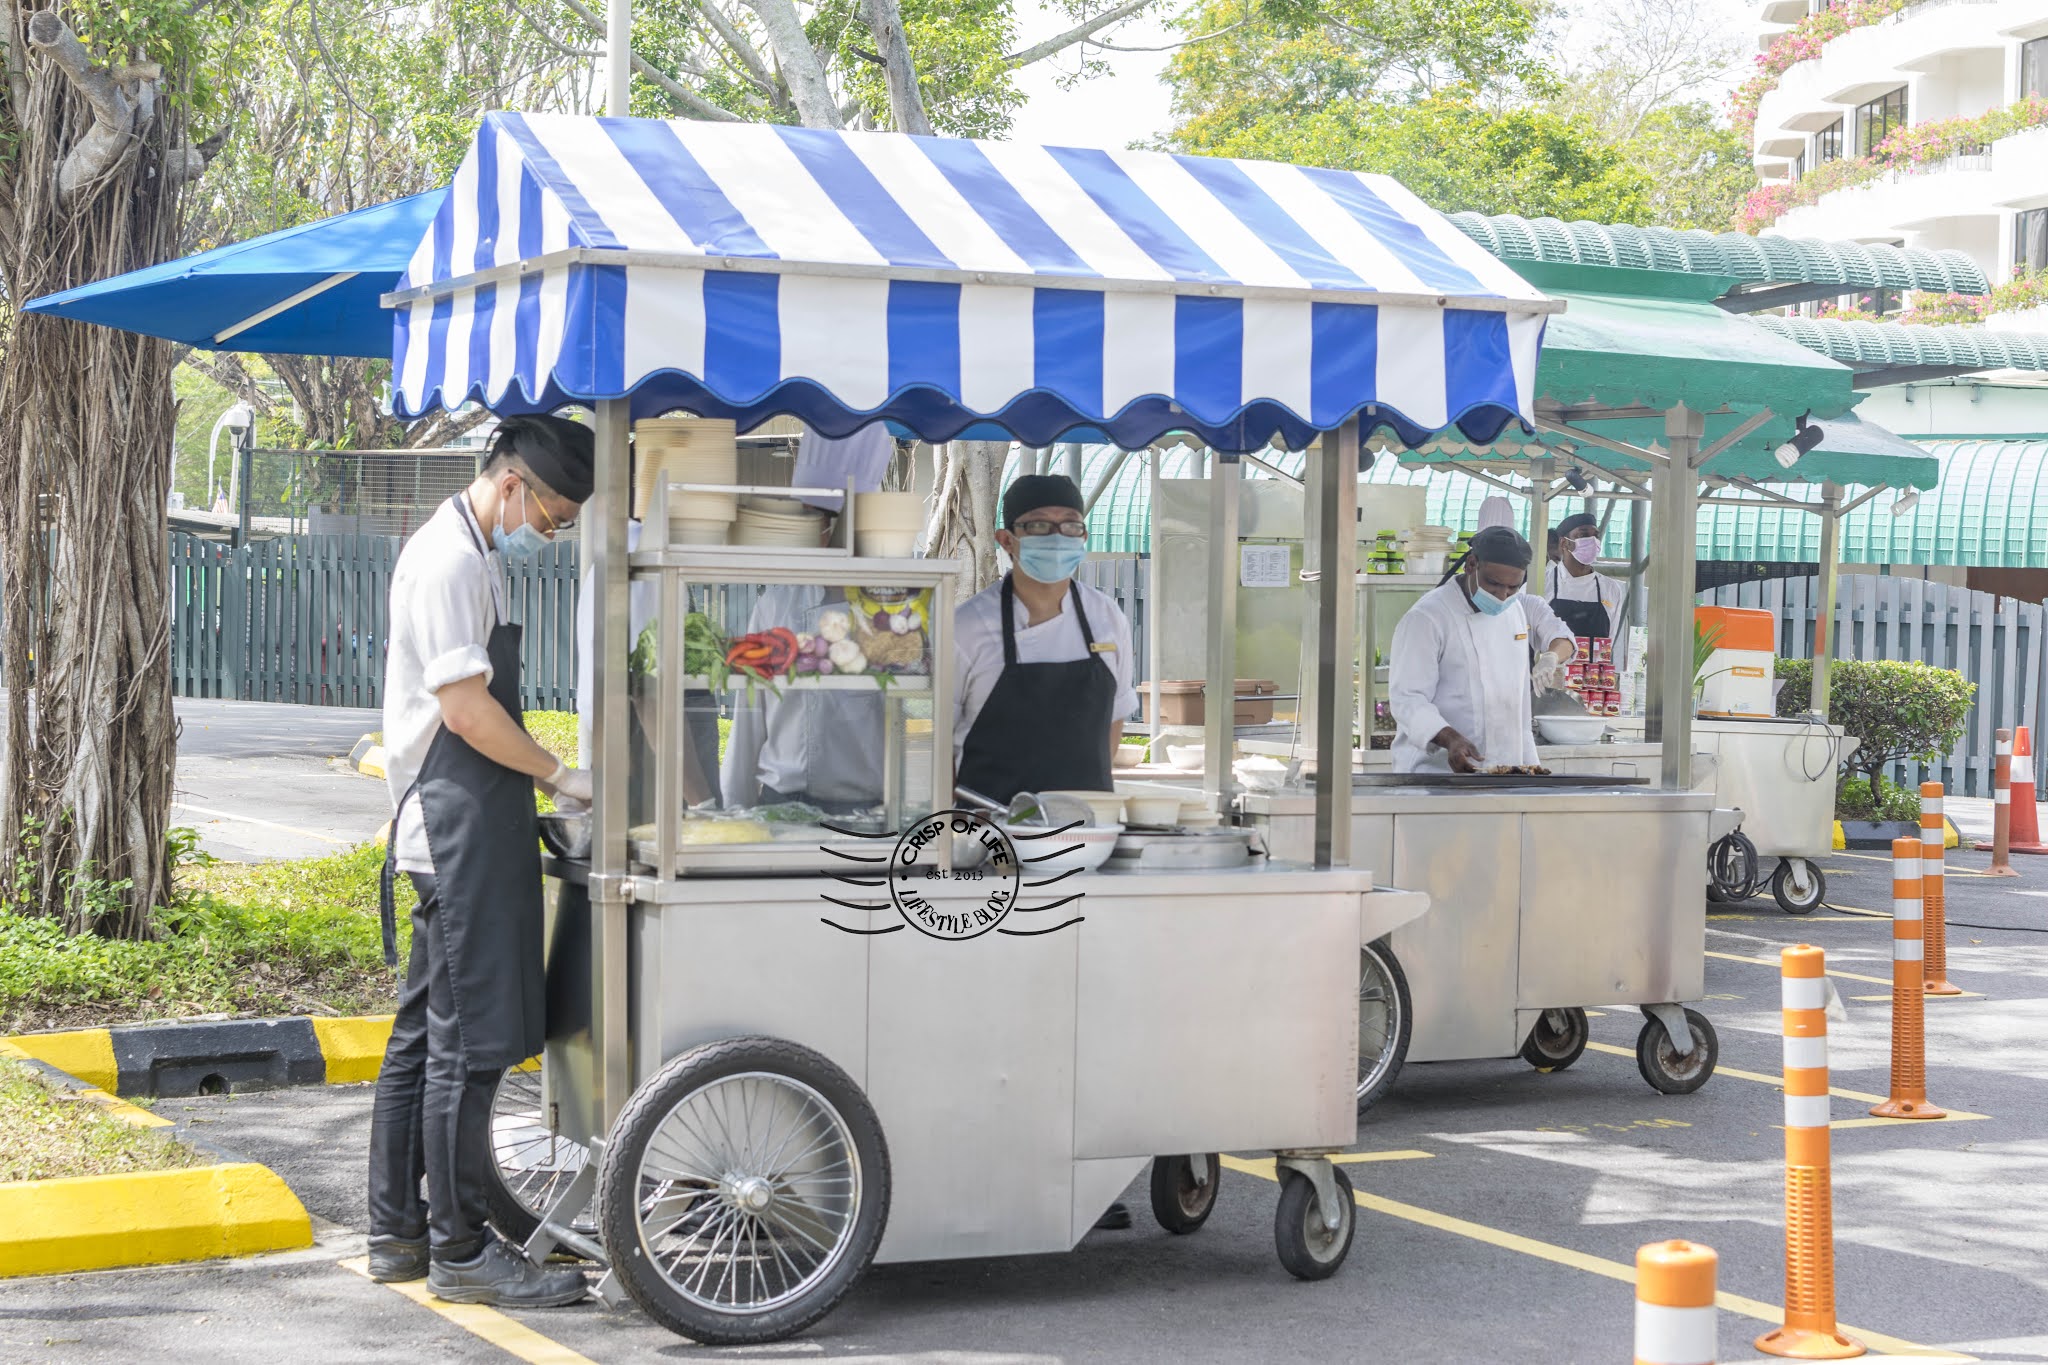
[1107,807]
[693,531]
[1186,757]
[1572,729]
[888,511]
[1260,774]
[1156,811]
[1126,756]
[885,544]
[1076,850]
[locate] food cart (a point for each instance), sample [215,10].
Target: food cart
[743,1106]
[1551,894]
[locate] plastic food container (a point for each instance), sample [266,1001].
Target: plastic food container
[1182,701]
[1107,807]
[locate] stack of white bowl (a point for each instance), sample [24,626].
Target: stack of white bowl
[886,525]
[1427,549]
[688,450]
[778,521]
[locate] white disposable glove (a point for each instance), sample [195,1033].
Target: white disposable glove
[1548,673]
[571,786]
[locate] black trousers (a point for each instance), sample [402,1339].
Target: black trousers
[432,1116]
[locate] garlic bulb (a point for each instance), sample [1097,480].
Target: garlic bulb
[847,658]
[834,626]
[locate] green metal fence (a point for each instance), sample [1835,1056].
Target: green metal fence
[304,619]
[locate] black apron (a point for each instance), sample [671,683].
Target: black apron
[485,842]
[1045,727]
[1588,620]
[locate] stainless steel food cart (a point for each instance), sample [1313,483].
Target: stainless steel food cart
[765,1103]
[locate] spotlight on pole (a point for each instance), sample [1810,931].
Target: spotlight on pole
[1804,438]
[1905,502]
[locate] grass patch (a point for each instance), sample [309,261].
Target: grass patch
[244,939]
[46,1134]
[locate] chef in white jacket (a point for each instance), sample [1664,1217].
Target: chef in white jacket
[1459,678]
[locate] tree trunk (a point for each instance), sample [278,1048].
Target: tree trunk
[964,513]
[86,421]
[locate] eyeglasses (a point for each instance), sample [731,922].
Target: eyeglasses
[1073,530]
[554,528]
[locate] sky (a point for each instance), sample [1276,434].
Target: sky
[1131,103]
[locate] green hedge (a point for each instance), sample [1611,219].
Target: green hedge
[1903,712]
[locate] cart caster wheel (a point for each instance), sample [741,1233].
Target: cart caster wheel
[1558,1039]
[1731,869]
[530,1165]
[1799,886]
[743,1191]
[1664,1068]
[1384,1021]
[1179,1202]
[1309,1250]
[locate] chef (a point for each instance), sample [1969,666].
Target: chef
[1593,604]
[1459,678]
[462,771]
[1044,663]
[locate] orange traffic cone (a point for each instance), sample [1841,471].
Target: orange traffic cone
[1810,1331]
[2026,816]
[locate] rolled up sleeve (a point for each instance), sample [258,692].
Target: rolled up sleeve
[451,622]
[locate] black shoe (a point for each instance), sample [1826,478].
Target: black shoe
[503,1278]
[396,1260]
[1116,1219]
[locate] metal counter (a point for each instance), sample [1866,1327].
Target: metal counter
[1539,900]
[1021,1081]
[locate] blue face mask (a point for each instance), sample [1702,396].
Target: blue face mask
[1051,559]
[522,541]
[1486,602]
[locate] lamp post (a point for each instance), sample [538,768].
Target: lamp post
[239,417]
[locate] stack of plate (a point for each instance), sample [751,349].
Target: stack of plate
[778,521]
[688,450]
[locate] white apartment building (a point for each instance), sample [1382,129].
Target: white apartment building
[1932,60]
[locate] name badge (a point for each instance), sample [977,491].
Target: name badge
[1523,636]
[1102,647]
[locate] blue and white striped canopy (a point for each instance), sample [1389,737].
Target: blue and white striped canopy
[747,270]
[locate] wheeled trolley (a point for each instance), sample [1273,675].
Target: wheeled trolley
[1780,774]
[806,1101]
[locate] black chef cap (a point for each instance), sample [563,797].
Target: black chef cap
[1576,522]
[1034,491]
[562,454]
[1499,545]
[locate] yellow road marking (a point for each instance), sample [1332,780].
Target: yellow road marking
[1846,976]
[1947,870]
[1778,1082]
[1354,1158]
[232,818]
[514,1338]
[1580,1260]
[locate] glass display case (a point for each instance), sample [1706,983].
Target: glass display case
[790,705]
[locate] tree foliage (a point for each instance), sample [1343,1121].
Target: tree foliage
[1902,711]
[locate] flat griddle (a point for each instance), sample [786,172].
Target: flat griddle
[1491,781]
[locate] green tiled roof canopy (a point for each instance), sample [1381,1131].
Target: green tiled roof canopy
[1884,353]
[1990,511]
[1833,267]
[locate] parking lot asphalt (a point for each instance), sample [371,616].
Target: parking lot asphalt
[1500,1208]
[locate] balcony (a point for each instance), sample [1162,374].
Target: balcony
[1906,201]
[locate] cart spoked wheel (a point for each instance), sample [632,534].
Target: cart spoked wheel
[1180,1201]
[1799,886]
[1731,869]
[1307,1247]
[1384,1021]
[1558,1039]
[744,1191]
[530,1163]
[1662,1065]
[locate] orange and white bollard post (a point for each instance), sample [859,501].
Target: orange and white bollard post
[1675,1304]
[2001,810]
[1933,893]
[1810,1331]
[1909,1004]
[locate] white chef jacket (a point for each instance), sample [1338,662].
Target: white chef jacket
[446,597]
[978,649]
[1560,584]
[1452,666]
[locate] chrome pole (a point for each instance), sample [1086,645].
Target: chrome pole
[1335,475]
[1830,586]
[609,816]
[1674,513]
[1219,693]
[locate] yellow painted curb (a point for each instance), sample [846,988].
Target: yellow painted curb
[371,764]
[86,1053]
[97,1222]
[354,1048]
[1841,842]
